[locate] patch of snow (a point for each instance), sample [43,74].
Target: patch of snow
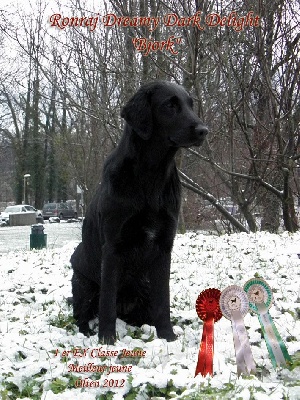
[35,322]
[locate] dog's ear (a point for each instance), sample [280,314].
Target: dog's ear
[137,113]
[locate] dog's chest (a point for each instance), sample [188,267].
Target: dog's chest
[158,229]
[148,230]
[151,233]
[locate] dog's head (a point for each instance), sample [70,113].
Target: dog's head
[164,109]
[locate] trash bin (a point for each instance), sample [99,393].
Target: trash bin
[39,219]
[38,239]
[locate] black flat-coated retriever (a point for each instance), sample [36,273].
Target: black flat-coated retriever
[122,267]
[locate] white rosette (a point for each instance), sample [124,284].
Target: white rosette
[234,305]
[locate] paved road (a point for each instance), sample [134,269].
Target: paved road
[58,234]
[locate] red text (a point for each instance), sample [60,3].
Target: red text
[146,46]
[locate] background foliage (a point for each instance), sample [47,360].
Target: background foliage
[61,91]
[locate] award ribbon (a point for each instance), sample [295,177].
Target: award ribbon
[234,305]
[208,309]
[260,300]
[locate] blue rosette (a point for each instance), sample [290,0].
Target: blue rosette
[260,300]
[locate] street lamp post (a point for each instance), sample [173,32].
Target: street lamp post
[25,177]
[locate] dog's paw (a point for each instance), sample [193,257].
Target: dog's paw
[86,330]
[167,334]
[107,338]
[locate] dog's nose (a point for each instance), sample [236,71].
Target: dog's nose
[201,130]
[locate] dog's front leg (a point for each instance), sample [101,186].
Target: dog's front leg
[108,297]
[159,275]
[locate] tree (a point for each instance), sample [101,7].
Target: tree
[244,82]
[256,94]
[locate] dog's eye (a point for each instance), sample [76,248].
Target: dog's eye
[172,104]
[169,104]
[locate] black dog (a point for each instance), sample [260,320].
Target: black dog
[122,267]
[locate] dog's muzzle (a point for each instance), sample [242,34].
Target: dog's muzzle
[201,131]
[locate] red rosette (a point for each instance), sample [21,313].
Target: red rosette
[207,304]
[208,309]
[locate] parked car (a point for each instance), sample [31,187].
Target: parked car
[19,208]
[58,210]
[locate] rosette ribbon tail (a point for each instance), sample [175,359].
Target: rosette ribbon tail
[206,352]
[244,358]
[276,347]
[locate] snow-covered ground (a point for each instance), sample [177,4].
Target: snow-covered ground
[58,235]
[39,344]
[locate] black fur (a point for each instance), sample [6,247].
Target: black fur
[122,267]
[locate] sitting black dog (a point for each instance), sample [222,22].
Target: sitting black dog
[122,267]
